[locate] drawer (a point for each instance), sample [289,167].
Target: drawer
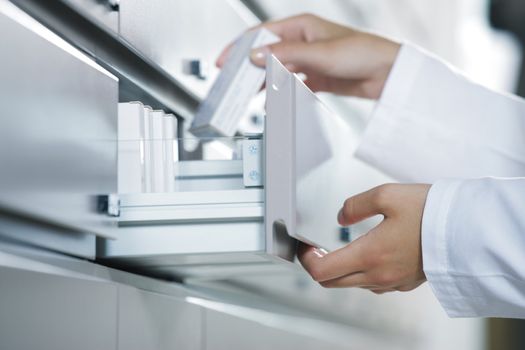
[173,32]
[57,133]
[215,219]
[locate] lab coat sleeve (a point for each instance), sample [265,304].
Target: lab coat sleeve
[433,123]
[473,241]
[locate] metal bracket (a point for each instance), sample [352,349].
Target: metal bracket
[109,204]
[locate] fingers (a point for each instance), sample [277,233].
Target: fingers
[328,266]
[388,257]
[358,279]
[364,205]
[300,28]
[302,55]
[223,55]
[291,28]
[306,27]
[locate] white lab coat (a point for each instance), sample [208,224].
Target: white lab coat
[434,125]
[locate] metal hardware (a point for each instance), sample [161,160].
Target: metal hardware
[114,4]
[196,67]
[109,205]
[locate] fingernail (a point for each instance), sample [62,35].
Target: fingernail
[320,252]
[258,55]
[340,217]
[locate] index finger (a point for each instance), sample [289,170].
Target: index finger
[291,28]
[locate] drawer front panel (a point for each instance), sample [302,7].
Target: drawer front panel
[57,127]
[45,311]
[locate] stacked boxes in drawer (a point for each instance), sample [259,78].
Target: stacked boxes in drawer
[147,149]
[148,156]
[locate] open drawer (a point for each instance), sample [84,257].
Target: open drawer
[244,212]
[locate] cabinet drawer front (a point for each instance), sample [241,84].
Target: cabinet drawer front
[46,311]
[155,321]
[57,127]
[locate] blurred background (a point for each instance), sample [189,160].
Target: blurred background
[482,37]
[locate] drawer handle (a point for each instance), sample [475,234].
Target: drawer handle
[114,4]
[197,68]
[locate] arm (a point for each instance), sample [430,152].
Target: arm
[473,244]
[466,237]
[432,122]
[467,240]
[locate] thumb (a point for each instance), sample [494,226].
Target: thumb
[313,56]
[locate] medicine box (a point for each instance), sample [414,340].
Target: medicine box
[238,82]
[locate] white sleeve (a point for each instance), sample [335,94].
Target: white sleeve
[430,123]
[473,240]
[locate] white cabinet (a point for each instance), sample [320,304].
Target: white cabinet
[154,321]
[50,301]
[170,32]
[48,312]
[57,133]
[259,330]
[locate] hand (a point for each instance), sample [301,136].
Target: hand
[388,257]
[334,58]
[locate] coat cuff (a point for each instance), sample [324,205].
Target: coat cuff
[387,125]
[398,89]
[448,287]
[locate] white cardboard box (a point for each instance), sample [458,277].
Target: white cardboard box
[147,149]
[157,149]
[170,151]
[130,136]
[238,82]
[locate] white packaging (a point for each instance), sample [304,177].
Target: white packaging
[147,151]
[130,136]
[170,151]
[252,171]
[238,82]
[157,151]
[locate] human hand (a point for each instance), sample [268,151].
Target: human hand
[334,58]
[388,257]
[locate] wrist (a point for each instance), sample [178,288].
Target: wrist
[388,52]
